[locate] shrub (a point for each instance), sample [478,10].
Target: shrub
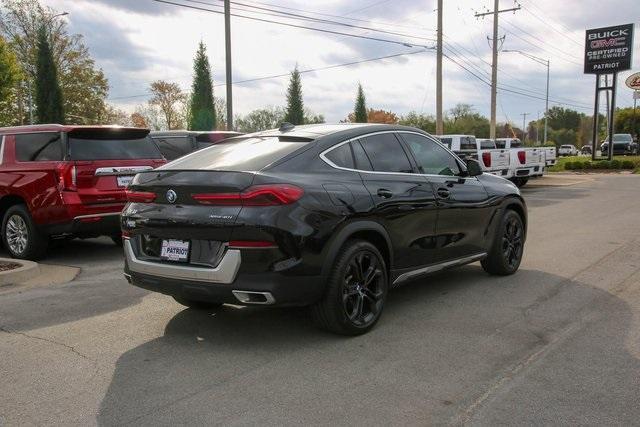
[568,165]
[587,165]
[628,164]
[578,165]
[615,164]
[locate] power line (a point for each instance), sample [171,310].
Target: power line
[328,67]
[539,46]
[503,89]
[347,18]
[557,22]
[286,24]
[545,22]
[290,15]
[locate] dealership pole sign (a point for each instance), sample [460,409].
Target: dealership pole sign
[607,51]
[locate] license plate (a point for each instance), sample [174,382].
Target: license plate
[124,181]
[175,250]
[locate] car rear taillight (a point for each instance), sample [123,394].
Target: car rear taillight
[257,195]
[251,244]
[486,159]
[67,177]
[522,156]
[140,196]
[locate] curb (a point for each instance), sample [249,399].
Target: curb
[26,271]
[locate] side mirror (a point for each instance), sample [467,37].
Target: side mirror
[473,167]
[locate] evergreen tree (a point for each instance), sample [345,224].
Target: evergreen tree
[360,110]
[295,107]
[49,104]
[202,111]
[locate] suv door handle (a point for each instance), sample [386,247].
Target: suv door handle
[384,193]
[443,193]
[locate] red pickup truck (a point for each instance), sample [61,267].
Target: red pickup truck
[61,181]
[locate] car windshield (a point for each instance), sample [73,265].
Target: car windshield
[240,154]
[622,138]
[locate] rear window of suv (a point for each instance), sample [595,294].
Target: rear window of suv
[111,146]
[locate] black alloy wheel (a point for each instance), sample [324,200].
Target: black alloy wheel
[507,249]
[356,290]
[512,241]
[363,291]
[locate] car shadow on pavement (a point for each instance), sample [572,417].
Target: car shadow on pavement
[442,343]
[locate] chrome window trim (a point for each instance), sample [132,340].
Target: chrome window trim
[2,150]
[333,165]
[79,217]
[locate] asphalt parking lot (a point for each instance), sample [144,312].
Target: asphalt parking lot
[558,343]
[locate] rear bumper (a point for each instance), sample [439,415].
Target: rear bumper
[224,283]
[102,224]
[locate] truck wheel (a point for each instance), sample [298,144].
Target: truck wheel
[508,246]
[20,235]
[356,290]
[197,305]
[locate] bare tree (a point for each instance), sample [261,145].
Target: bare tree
[169,98]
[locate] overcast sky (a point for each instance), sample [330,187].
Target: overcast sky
[138,41]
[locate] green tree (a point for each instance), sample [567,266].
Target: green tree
[421,121]
[463,119]
[49,104]
[360,110]
[84,86]
[169,99]
[10,76]
[261,119]
[564,118]
[295,106]
[202,114]
[627,121]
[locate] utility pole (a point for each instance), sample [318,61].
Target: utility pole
[494,62]
[439,123]
[538,129]
[524,131]
[227,39]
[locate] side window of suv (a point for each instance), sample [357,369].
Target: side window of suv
[386,154]
[39,147]
[341,156]
[431,157]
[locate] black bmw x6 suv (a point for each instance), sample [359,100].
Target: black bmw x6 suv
[327,216]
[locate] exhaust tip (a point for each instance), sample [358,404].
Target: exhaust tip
[250,297]
[127,276]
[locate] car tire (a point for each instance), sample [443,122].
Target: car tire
[521,182]
[507,249]
[21,237]
[197,305]
[356,290]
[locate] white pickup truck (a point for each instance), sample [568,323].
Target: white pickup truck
[526,162]
[492,160]
[550,156]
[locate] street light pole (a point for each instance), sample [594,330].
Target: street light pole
[547,64]
[227,38]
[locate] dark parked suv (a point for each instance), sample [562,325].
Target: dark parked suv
[67,181]
[177,143]
[327,216]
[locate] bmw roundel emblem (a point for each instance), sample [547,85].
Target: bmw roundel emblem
[171,196]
